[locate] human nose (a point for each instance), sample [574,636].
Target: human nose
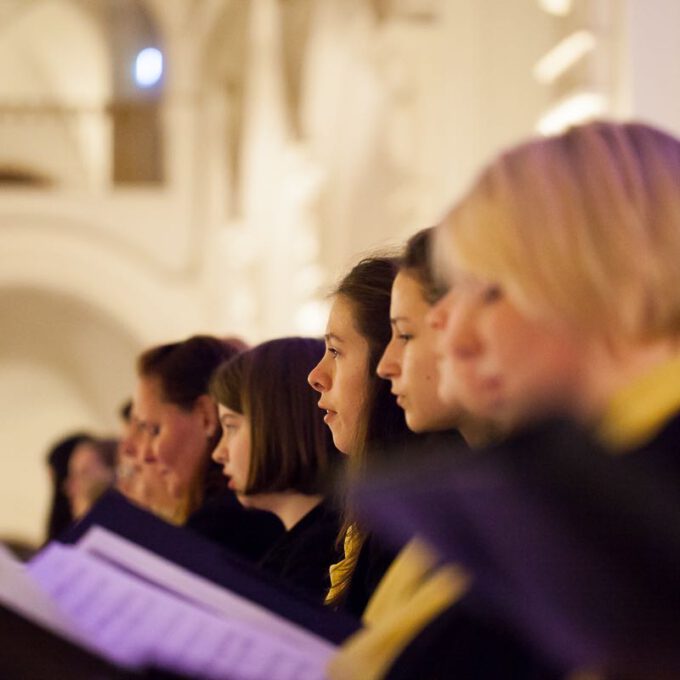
[127,446]
[220,453]
[318,377]
[388,366]
[144,448]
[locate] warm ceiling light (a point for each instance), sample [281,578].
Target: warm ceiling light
[577,108]
[563,56]
[558,7]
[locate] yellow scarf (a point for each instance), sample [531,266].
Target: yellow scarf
[340,571]
[639,411]
[413,592]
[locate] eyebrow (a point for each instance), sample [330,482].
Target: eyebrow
[332,336]
[397,319]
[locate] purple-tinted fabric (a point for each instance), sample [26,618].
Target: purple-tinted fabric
[577,550]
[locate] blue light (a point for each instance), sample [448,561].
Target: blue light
[148,67]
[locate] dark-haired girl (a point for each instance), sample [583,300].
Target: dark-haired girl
[277,455]
[359,410]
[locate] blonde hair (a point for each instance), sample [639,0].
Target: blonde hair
[582,227]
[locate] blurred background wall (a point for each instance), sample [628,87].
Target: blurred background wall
[178,166]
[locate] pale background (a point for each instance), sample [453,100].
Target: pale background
[285,138]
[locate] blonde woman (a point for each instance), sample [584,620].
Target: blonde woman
[567,286]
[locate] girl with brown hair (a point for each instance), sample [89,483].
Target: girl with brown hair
[277,455]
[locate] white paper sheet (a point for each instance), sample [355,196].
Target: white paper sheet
[19,593]
[134,623]
[115,549]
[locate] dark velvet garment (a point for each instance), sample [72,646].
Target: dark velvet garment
[247,533]
[302,556]
[574,551]
[462,642]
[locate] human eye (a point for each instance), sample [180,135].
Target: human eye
[332,351]
[491,293]
[401,334]
[227,424]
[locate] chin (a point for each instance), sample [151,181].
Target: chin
[176,489]
[340,444]
[415,424]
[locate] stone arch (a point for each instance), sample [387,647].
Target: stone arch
[73,254]
[64,365]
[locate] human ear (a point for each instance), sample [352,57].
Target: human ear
[206,409]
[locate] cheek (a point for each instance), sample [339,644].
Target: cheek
[179,447]
[242,456]
[166,447]
[560,366]
[420,364]
[509,342]
[355,394]
[537,362]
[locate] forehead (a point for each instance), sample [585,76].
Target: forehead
[341,319]
[407,297]
[148,402]
[147,391]
[226,411]
[82,454]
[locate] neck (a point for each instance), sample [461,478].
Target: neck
[289,507]
[479,433]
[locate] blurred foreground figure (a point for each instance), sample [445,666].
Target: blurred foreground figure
[574,552]
[564,301]
[565,296]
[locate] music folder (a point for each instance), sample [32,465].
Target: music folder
[125,587]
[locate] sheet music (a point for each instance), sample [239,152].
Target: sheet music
[113,548]
[134,623]
[19,593]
